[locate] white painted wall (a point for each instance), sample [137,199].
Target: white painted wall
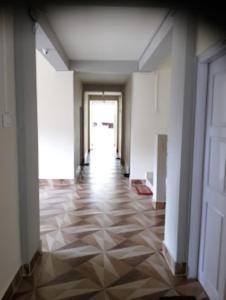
[141,149]
[161,121]
[27,132]
[163,88]
[77,105]
[55,121]
[10,254]
[180,137]
[150,105]
[127,123]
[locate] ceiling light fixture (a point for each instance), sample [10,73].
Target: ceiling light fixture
[45,51]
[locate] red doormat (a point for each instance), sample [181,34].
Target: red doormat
[142,189]
[135,182]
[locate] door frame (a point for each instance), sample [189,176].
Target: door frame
[118,141]
[203,62]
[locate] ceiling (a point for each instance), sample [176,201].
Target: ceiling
[104,43]
[104,33]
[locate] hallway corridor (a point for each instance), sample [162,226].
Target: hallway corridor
[101,241]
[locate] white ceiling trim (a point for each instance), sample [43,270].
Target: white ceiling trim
[156,49]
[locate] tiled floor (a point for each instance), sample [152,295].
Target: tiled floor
[101,241]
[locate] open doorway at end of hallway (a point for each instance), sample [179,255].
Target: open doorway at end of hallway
[103,127]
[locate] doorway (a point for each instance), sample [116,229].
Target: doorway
[103,126]
[213,233]
[208,209]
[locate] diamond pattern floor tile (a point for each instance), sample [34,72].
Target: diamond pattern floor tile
[101,241]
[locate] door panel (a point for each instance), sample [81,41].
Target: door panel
[219,106]
[217,169]
[212,267]
[214,224]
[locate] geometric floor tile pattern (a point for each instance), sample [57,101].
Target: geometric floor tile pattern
[101,241]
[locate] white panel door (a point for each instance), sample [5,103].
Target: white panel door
[212,263]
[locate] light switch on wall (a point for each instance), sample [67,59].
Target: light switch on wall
[8,120]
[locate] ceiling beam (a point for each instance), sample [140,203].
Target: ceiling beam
[103,97]
[105,66]
[91,88]
[159,46]
[49,45]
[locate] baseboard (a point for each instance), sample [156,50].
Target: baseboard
[122,162]
[159,205]
[29,268]
[77,173]
[86,157]
[24,270]
[14,285]
[125,168]
[177,269]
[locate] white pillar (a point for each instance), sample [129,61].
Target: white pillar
[25,74]
[180,138]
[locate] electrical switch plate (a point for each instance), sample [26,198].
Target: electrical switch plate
[8,120]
